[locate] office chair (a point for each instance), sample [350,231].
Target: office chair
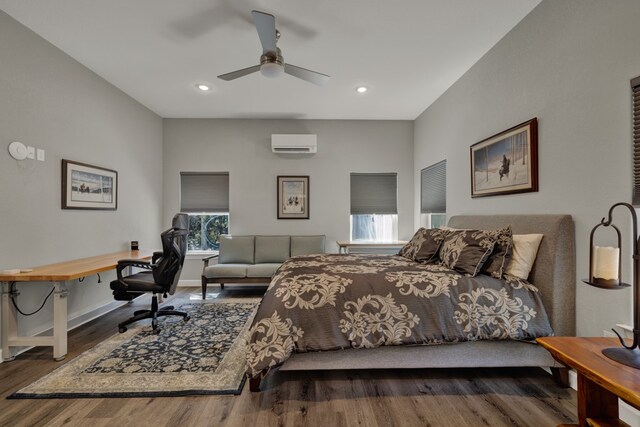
[161,275]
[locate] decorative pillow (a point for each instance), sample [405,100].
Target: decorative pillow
[497,263]
[424,245]
[466,251]
[525,250]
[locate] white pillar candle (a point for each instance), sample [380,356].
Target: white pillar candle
[605,262]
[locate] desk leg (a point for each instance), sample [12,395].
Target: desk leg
[9,322]
[60,320]
[595,401]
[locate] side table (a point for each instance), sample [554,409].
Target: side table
[601,381]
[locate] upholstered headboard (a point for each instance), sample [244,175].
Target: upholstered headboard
[554,272]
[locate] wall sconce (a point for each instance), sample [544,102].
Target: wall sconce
[605,270]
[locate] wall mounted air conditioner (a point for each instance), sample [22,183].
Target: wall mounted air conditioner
[294,144]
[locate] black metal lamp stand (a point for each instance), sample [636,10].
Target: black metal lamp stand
[627,354]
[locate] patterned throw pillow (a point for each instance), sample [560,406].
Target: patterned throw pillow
[497,263]
[424,245]
[466,251]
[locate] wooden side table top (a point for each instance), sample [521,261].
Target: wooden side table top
[74,269]
[585,356]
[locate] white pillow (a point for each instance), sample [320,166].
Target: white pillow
[525,250]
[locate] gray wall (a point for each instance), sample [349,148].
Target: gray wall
[569,64]
[50,101]
[243,148]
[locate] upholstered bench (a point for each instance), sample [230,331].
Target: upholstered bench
[254,259]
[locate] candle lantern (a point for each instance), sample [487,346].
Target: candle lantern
[605,263]
[605,271]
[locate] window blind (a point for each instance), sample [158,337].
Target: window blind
[433,188]
[204,192]
[374,193]
[635,93]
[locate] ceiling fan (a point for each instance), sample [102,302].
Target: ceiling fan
[272,62]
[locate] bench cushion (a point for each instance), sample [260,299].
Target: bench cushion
[225,270]
[236,249]
[262,270]
[272,249]
[305,245]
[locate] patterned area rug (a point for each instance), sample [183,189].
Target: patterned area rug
[205,355]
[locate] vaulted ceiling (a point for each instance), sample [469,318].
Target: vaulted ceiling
[406,52]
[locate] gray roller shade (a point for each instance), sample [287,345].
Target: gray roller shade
[433,188]
[374,193]
[204,192]
[635,90]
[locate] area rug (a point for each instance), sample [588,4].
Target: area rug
[203,356]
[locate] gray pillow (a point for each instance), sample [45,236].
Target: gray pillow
[236,249]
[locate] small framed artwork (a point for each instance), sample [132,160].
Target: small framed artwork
[293,197]
[506,163]
[88,187]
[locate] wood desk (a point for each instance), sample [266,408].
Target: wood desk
[58,274]
[601,381]
[345,245]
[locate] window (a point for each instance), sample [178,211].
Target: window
[433,195]
[374,211]
[204,230]
[205,197]
[635,102]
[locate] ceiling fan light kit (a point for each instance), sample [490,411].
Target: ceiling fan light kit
[271,70]
[272,63]
[271,66]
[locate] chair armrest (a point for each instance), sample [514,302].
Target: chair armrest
[156,256]
[140,263]
[124,263]
[207,259]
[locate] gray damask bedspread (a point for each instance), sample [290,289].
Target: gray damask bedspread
[330,302]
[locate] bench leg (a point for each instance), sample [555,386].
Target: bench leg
[204,288]
[221,286]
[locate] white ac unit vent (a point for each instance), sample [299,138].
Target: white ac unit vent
[294,144]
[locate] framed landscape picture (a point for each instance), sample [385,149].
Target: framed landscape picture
[293,197]
[506,163]
[88,187]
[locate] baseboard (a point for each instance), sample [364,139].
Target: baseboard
[628,414]
[189,283]
[573,380]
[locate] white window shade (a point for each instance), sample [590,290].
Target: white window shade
[433,188]
[204,192]
[374,193]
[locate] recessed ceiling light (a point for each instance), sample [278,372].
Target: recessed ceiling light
[203,87]
[362,89]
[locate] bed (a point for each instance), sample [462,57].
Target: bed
[553,274]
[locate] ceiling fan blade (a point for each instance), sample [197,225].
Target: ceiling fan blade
[239,73]
[266,26]
[308,75]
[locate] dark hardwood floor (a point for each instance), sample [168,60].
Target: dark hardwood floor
[460,397]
